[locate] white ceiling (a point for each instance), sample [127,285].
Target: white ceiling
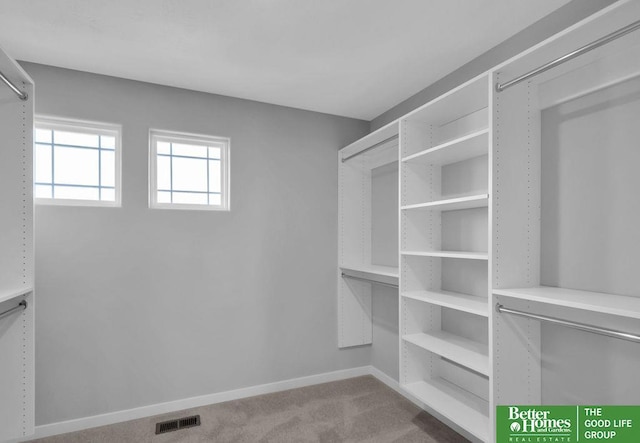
[355,58]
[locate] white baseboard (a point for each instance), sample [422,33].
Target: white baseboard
[193,402]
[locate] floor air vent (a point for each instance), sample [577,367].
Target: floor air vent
[174,425]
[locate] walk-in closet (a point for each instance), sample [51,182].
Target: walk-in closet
[320,221]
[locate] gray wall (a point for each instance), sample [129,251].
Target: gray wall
[590,239]
[555,22]
[140,306]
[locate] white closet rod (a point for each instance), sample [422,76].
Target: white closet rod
[14,88]
[368,280]
[571,324]
[393,137]
[565,58]
[21,306]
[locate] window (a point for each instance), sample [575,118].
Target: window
[189,171]
[76,162]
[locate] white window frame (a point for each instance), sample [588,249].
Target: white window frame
[159,135]
[85,127]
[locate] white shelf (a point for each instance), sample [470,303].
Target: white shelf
[621,305]
[449,254]
[462,148]
[461,407]
[14,294]
[453,204]
[469,353]
[461,302]
[383,274]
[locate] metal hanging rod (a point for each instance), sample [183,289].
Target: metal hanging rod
[21,307]
[571,324]
[393,137]
[565,58]
[368,280]
[22,95]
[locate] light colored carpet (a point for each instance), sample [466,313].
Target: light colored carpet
[360,409]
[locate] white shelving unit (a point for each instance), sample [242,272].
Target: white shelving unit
[444,253]
[512,198]
[368,232]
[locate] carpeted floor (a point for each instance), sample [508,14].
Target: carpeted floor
[360,409]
